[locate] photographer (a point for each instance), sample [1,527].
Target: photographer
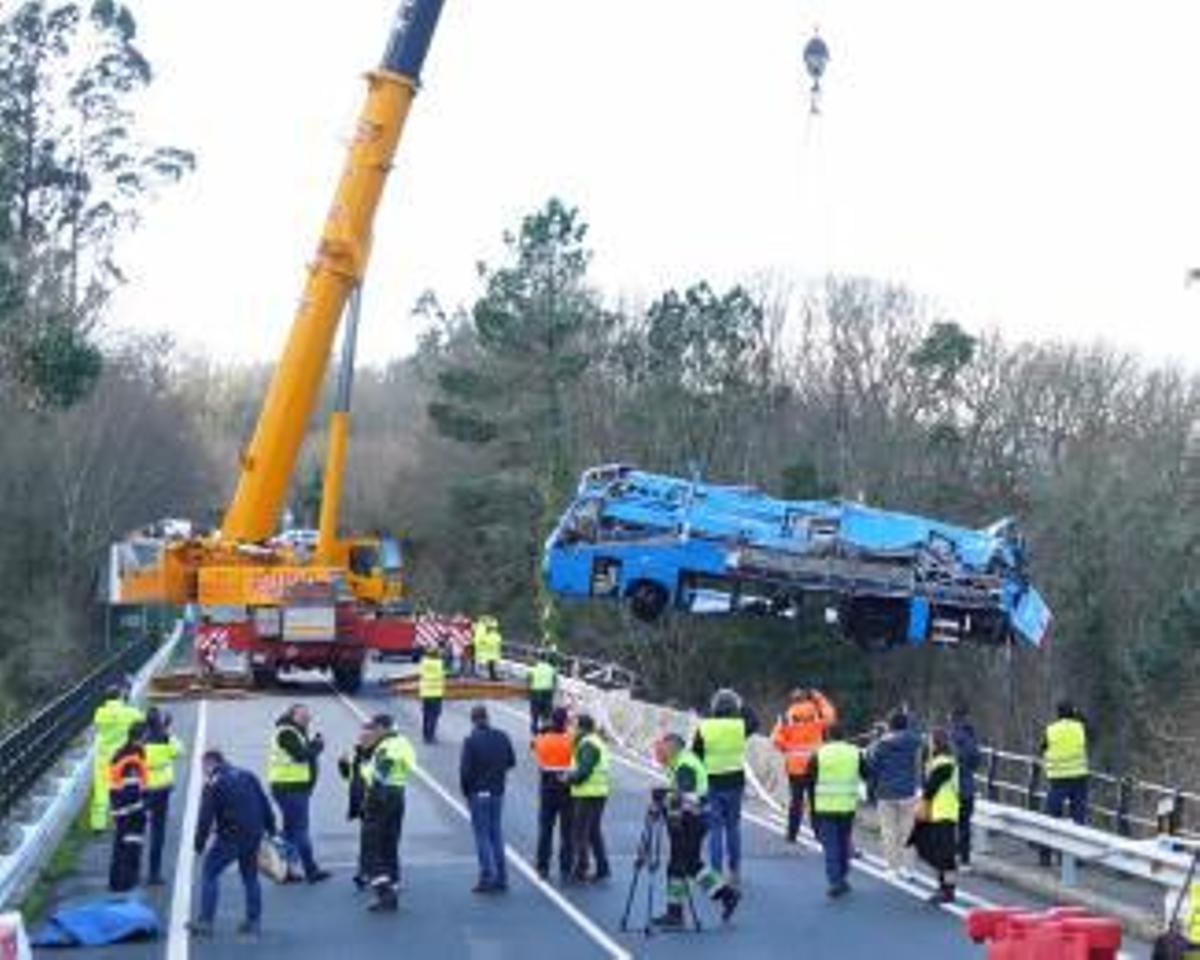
[684,803]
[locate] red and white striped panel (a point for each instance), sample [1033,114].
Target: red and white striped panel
[452,631]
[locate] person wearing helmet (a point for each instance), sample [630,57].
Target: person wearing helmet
[721,744]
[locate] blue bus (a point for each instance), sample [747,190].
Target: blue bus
[880,577]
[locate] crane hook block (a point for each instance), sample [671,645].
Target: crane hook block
[816,57]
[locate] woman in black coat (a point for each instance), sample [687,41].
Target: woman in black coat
[936,833]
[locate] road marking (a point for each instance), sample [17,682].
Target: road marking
[178,940]
[577,916]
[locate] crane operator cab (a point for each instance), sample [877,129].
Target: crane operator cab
[374,568]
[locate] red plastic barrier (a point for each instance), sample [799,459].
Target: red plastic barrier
[1064,933]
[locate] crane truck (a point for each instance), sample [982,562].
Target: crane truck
[285,603]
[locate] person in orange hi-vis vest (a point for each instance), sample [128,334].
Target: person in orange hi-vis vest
[798,735]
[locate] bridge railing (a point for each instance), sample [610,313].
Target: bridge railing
[599,673]
[35,744]
[63,787]
[1118,804]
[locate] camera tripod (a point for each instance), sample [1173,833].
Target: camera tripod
[648,861]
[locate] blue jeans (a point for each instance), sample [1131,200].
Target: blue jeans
[486,809]
[293,804]
[1072,791]
[834,833]
[220,855]
[725,821]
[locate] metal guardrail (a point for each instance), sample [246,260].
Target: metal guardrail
[66,794]
[1160,860]
[1120,805]
[32,747]
[607,676]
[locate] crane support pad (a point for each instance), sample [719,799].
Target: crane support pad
[466,688]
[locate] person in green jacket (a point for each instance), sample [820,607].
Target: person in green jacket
[111,723]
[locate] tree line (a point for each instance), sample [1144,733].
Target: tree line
[94,434]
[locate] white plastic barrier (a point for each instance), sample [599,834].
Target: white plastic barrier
[70,791]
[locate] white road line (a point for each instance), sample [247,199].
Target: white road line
[178,941]
[577,916]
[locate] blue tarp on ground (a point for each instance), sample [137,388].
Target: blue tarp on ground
[97,923]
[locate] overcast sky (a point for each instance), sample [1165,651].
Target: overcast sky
[1028,165]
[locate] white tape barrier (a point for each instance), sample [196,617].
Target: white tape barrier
[70,791]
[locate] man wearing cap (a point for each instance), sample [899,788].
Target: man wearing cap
[385,775]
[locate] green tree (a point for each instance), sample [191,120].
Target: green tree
[515,389]
[75,179]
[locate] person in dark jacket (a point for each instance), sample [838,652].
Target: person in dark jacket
[893,774]
[936,833]
[967,754]
[292,773]
[487,756]
[350,767]
[235,811]
[127,777]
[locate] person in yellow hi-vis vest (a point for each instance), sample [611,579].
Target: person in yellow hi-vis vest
[1191,926]
[839,770]
[163,748]
[431,688]
[111,723]
[1181,938]
[488,643]
[936,834]
[1065,758]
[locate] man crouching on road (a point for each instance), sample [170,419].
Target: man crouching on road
[236,808]
[687,822]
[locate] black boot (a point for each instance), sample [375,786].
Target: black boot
[728,898]
[944,894]
[672,919]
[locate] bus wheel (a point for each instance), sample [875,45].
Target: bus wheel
[648,600]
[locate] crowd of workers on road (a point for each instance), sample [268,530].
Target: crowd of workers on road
[921,785]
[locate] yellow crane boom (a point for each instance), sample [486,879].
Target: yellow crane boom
[268,462]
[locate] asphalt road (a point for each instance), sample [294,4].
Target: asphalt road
[784,912]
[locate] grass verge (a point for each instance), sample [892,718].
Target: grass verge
[61,865]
